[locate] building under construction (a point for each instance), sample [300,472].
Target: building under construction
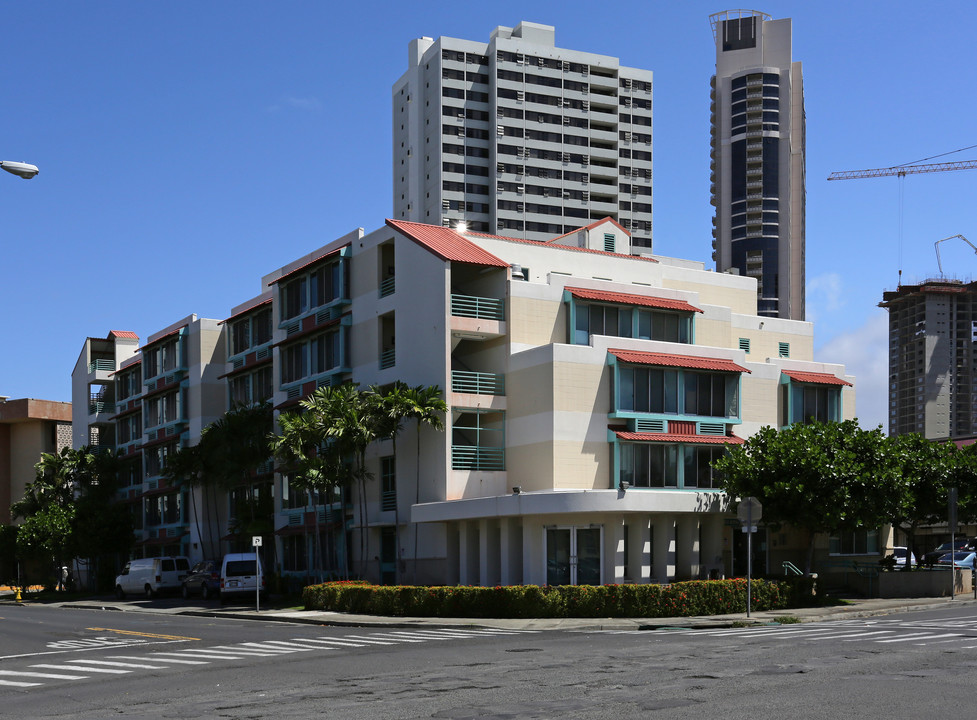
[932,335]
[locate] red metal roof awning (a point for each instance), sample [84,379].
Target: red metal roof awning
[817,378]
[676,438]
[684,361]
[446,243]
[631,299]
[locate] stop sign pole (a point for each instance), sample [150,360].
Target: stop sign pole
[749,513]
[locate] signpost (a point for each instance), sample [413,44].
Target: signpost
[256,543]
[749,513]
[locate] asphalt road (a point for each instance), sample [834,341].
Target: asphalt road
[72,663]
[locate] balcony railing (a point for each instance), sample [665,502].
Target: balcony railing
[107,365]
[388,358]
[477,307]
[387,287]
[478,383]
[473,457]
[99,406]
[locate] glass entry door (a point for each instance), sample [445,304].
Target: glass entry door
[573,555]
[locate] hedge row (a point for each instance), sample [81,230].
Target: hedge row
[705,597]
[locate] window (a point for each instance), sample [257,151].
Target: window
[698,466]
[293,363]
[240,336]
[294,299]
[388,483]
[325,284]
[595,319]
[807,402]
[854,542]
[646,465]
[745,344]
[294,553]
[783,349]
[261,326]
[608,242]
[293,498]
[667,391]
[168,354]
[325,352]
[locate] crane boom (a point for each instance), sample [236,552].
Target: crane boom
[901,170]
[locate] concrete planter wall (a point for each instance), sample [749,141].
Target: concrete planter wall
[923,583]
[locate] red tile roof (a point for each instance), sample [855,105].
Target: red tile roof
[670,437]
[683,361]
[591,227]
[629,299]
[311,262]
[124,334]
[446,243]
[813,377]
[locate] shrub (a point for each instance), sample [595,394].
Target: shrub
[682,599]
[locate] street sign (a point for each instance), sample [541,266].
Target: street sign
[256,541]
[749,528]
[749,511]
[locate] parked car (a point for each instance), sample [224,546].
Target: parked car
[899,553]
[242,575]
[151,576]
[961,559]
[204,578]
[934,555]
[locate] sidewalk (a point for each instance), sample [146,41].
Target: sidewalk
[858,608]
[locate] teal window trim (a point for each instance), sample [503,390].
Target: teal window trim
[835,400]
[617,413]
[680,450]
[575,307]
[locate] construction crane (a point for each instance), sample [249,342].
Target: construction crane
[903,170]
[936,246]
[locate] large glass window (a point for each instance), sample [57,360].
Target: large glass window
[240,336]
[293,498]
[294,299]
[854,542]
[325,284]
[293,363]
[807,402]
[325,352]
[630,322]
[666,391]
[261,326]
[647,465]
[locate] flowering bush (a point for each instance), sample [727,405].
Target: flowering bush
[681,599]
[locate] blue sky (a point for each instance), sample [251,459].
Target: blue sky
[188,148]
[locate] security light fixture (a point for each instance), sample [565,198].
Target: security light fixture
[517,489]
[625,485]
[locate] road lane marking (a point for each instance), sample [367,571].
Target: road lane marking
[343,643]
[144,634]
[918,636]
[13,683]
[157,659]
[223,656]
[138,666]
[24,673]
[279,645]
[360,638]
[80,668]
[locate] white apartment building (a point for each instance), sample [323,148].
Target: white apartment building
[588,390]
[521,138]
[757,158]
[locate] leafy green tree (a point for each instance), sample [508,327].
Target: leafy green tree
[916,487]
[53,484]
[47,536]
[818,477]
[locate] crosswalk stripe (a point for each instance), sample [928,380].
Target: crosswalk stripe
[423,636]
[326,643]
[211,656]
[14,683]
[52,676]
[361,638]
[391,636]
[919,636]
[136,666]
[158,659]
[281,645]
[80,668]
[249,652]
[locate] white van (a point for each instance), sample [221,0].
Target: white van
[150,576]
[241,574]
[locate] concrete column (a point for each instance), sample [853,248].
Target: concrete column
[687,547]
[463,554]
[510,551]
[663,534]
[711,550]
[489,560]
[533,561]
[639,549]
[614,551]
[452,554]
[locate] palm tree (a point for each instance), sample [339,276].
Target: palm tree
[54,484]
[427,407]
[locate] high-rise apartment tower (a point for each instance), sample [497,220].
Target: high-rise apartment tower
[521,138]
[758,158]
[932,342]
